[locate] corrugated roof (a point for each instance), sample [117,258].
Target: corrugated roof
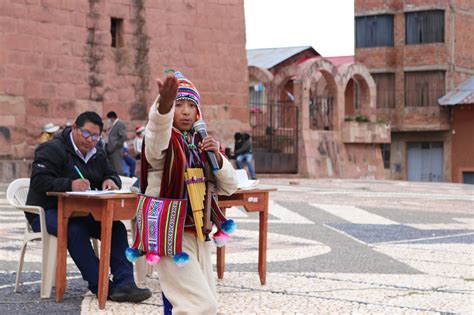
[269,57]
[462,94]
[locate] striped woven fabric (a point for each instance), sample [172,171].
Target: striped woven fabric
[160,225]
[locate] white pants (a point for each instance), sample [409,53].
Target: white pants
[191,289]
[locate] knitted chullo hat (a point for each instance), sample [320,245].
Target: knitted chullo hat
[187,91]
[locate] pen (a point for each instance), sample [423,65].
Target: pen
[79,172]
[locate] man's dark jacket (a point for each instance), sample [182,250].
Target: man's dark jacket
[243,146]
[53,170]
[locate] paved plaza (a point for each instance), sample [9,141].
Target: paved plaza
[334,246]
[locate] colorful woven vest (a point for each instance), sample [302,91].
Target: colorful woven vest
[160,220]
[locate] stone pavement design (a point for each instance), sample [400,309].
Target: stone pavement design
[334,246]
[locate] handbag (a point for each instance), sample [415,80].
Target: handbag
[159,230]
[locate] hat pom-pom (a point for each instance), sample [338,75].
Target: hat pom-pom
[132,254]
[221,238]
[152,259]
[181,259]
[229,226]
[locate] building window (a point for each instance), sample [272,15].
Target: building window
[374,31]
[423,88]
[468,177]
[424,27]
[385,83]
[385,149]
[116,30]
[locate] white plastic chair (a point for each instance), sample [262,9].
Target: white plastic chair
[16,195]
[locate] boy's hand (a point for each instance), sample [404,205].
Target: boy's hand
[168,91]
[211,144]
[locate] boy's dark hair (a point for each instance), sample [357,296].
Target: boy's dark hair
[112,115]
[92,117]
[237,136]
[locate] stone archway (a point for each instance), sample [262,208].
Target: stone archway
[321,90]
[275,134]
[259,87]
[359,90]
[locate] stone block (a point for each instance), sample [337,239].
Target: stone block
[37,107]
[12,105]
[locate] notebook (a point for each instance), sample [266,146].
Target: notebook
[243,181]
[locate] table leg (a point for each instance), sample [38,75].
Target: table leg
[262,241]
[220,262]
[221,257]
[105,240]
[62,250]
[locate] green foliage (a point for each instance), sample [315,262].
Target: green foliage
[361,118]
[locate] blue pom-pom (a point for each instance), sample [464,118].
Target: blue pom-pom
[229,226]
[181,259]
[132,254]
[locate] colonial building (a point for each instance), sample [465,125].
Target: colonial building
[59,58]
[416,52]
[314,116]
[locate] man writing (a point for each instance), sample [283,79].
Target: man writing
[58,166]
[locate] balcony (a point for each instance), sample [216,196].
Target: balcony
[365,132]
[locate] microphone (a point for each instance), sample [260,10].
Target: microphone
[200,127]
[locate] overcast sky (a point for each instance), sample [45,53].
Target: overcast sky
[327,25]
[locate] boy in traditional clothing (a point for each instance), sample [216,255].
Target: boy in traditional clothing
[171,146]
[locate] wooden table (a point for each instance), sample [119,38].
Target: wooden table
[104,208]
[253,200]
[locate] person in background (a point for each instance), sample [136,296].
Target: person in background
[116,138]
[138,141]
[48,132]
[54,169]
[130,163]
[243,152]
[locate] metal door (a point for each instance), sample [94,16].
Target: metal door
[275,137]
[425,161]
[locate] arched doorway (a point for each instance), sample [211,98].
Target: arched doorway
[356,99]
[321,108]
[275,131]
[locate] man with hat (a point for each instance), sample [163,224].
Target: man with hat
[138,141]
[48,132]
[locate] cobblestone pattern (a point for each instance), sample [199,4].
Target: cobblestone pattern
[394,248]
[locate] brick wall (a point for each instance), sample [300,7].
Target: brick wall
[462,148]
[56,60]
[454,56]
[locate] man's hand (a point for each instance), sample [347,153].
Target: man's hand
[168,91]
[211,144]
[80,185]
[109,184]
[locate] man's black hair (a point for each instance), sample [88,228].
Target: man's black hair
[92,117]
[112,115]
[237,136]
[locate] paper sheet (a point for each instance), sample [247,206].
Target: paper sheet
[98,192]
